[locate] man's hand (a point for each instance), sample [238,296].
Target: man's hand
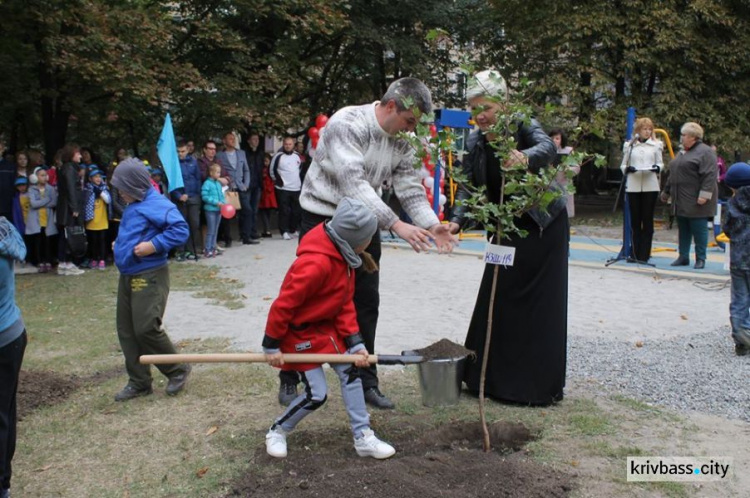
[664,197]
[702,201]
[276,359]
[362,362]
[454,228]
[418,238]
[144,249]
[442,235]
[183,198]
[516,157]
[224,181]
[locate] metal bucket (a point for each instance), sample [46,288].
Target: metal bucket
[440,381]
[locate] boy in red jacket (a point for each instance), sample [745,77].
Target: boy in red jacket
[314,313]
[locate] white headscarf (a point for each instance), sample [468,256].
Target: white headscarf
[486,83]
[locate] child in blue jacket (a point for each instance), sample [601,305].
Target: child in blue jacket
[213,198]
[736,226]
[150,227]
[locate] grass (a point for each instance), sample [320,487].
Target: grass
[197,443]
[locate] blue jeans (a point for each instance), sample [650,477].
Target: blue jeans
[739,305]
[212,229]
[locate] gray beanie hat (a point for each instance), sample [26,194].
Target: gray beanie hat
[131,177]
[354,222]
[487,83]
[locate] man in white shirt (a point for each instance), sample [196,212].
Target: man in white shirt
[359,150]
[285,173]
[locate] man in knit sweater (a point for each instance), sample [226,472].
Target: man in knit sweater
[357,152]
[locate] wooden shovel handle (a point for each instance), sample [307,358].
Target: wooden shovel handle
[168,359]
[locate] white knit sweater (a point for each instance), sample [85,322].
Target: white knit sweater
[353,158]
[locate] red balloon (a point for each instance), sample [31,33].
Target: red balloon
[313,133]
[441,216]
[430,198]
[321,120]
[228,211]
[433,130]
[314,142]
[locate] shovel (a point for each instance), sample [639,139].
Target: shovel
[380,359]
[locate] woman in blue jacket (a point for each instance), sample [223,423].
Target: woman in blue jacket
[150,227]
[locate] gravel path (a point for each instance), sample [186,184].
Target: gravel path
[697,372]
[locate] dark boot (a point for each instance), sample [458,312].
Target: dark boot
[374,397]
[129,392]
[177,382]
[700,264]
[680,261]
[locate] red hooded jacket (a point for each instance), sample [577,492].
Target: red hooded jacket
[314,312]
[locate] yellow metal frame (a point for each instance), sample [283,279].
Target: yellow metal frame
[667,140]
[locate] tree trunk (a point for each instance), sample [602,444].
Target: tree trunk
[55,116]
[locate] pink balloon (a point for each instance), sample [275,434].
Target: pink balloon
[228,211]
[321,120]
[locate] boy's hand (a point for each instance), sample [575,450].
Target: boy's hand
[144,249]
[275,360]
[362,362]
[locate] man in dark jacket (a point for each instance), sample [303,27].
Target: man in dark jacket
[7,177]
[188,200]
[693,189]
[255,154]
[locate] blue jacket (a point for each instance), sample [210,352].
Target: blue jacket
[737,227]
[11,248]
[191,178]
[212,195]
[153,219]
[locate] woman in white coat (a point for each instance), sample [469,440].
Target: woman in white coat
[641,164]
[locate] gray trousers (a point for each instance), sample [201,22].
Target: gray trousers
[141,301]
[315,395]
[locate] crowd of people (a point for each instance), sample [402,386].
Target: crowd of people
[69,212]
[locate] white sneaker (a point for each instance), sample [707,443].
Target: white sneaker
[276,443]
[73,270]
[286,236]
[295,234]
[370,445]
[219,250]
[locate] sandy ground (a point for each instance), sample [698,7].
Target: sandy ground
[427,297]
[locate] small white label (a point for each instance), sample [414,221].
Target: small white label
[499,255]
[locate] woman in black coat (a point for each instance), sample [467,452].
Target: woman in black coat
[69,206]
[529,327]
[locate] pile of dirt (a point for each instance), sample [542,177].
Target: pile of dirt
[443,350]
[443,461]
[40,388]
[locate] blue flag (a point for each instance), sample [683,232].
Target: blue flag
[166,147]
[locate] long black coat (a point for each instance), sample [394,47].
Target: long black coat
[68,196]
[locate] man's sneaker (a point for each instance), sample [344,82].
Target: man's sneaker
[276,443]
[370,446]
[219,250]
[741,349]
[177,382]
[180,257]
[248,242]
[374,397]
[295,234]
[129,392]
[286,236]
[266,235]
[287,393]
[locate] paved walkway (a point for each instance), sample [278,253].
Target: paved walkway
[597,252]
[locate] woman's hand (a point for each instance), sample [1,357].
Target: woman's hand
[702,201]
[362,362]
[453,228]
[144,249]
[418,238]
[276,359]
